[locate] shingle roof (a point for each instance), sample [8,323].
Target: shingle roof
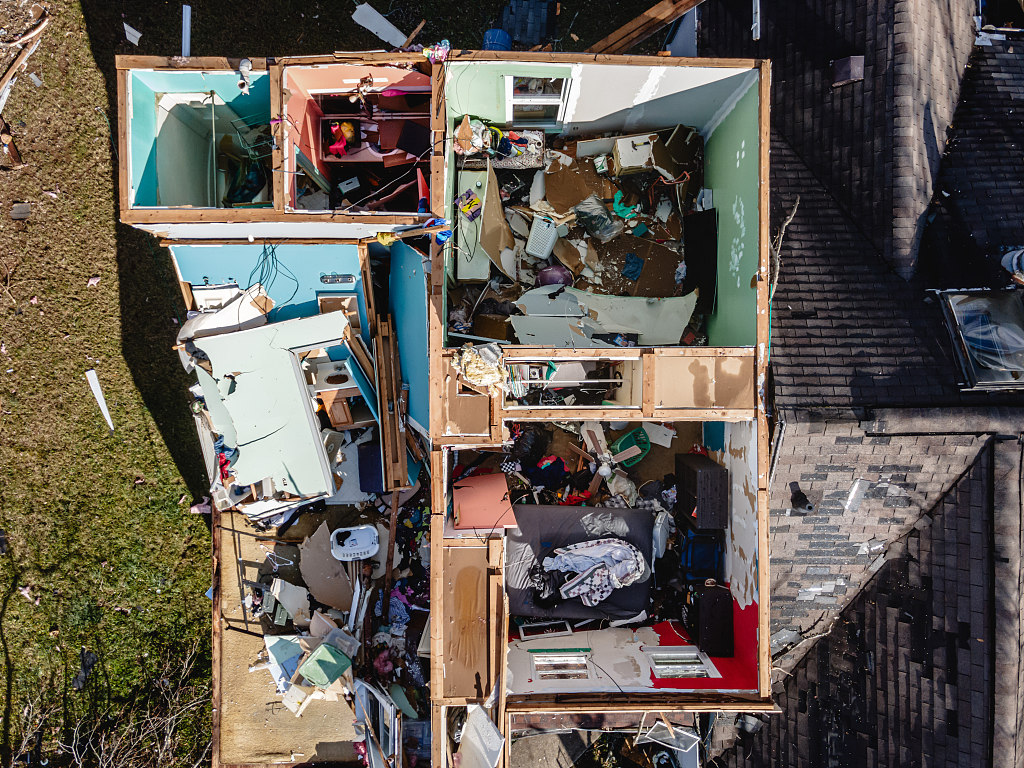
[847,332]
[905,676]
[868,491]
[983,168]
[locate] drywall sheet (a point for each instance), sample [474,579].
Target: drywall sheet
[739,456]
[466,621]
[731,171]
[408,304]
[555,315]
[704,382]
[325,577]
[256,378]
[292,275]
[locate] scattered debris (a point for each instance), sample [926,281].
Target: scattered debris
[94,384]
[20,211]
[93,281]
[131,34]
[88,660]
[367,17]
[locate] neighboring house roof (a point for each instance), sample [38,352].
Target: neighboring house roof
[906,676]
[981,183]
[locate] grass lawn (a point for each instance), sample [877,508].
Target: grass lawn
[98,526]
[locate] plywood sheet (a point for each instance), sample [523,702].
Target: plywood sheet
[465,622]
[704,382]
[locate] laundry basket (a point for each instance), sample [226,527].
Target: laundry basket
[638,438]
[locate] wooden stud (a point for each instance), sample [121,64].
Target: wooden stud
[389,563]
[123,151]
[192,63]
[277,131]
[413,34]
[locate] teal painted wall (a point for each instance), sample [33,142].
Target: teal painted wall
[408,304]
[145,85]
[478,88]
[731,172]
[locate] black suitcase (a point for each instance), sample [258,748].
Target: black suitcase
[708,618]
[702,492]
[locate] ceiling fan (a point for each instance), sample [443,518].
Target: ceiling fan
[597,451]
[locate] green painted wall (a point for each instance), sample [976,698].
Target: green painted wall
[731,172]
[478,88]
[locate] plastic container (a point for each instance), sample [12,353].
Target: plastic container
[638,438]
[497,40]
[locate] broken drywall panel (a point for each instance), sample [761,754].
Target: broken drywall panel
[294,599]
[101,401]
[482,742]
[576,316]
[739,456]
[325,577]
[366,16]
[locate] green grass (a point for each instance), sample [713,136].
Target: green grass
[98,532]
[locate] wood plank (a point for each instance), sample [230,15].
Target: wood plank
[600,58]
[278,133]
[123,152]
[437,594]
[764,659]
[215,647]
[193,62]
[643,26]
[184,215]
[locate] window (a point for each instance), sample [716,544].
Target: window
[987,328]
[680,661]
[535,101]
[567,664]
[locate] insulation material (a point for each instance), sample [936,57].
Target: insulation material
[570,317]
[325,577]
[482,742]
[481,366]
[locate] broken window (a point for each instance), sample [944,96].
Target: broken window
[561,665]
[680,661]
[988,336]
[535,100]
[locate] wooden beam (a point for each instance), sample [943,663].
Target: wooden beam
[7,139]
[193,62]
[643,26]
[389,563]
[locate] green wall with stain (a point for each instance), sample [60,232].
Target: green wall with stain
[478,88]
[731,172]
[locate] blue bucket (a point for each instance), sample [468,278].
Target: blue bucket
[497,40]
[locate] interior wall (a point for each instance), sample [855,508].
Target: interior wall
[296,285]
[183,162]
[629,98]
[301,125]
[477,88]
[146,87]
[734,446]
[731,172]
[408,305]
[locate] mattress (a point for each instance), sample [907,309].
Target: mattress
[541,528]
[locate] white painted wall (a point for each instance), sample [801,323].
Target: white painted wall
[613,97]
[740,458]
[241,230]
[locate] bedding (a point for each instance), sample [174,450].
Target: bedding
[541,529]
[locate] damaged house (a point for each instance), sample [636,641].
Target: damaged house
[480,346]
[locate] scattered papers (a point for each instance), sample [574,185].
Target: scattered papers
[659,434]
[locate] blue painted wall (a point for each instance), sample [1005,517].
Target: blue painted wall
[408,305]
[296,284]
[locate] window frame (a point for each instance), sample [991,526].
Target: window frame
[653,652]
[539,99]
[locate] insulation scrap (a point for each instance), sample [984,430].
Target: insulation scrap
[481,366]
